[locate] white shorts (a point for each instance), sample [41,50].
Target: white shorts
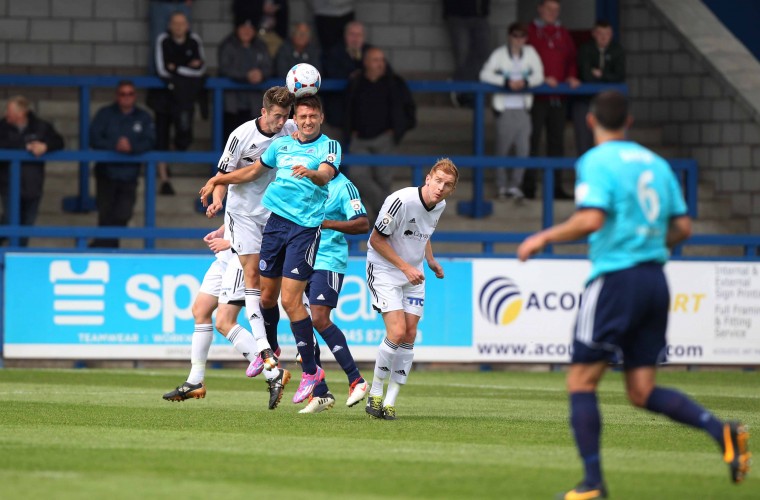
[390,290]
[233,284]
[245,232]
[212,280]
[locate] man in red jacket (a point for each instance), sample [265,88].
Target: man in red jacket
[556,48]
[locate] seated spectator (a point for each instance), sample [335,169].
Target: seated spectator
[331,18]
[298,49]
[21,129]
[124,128]
[180,62]
[600,60]
[379,111]
[269,17]
[243,57]
[342,62]
[515,66]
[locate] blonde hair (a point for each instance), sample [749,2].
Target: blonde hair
[446,166]
[278,96]
[21,102]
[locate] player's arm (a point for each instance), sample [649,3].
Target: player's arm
[432,263]
[579,225]
[217,201]
[242,175]
[382,246]
[679,230]
[319,177]
[359,225]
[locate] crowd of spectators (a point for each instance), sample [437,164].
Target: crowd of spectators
[370,117]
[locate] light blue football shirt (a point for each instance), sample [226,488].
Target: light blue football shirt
[299,200]
[343,204]
[639,194]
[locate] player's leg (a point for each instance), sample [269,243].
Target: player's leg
[321,399]
[402,364]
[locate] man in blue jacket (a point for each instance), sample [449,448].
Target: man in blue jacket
[127,129]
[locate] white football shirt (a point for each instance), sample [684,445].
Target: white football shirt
[244,146]
[408,224]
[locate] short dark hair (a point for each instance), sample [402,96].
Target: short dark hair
[602,23]
[517,27]
[610,108]
[125,83]
[310,101]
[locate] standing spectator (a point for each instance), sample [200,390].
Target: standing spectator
[243,57]
[379,111]
[470,40]
[331,18]
[557,50]
[159,13]
[21,129]
[180,62]
[269,17]
[600,60]
[514,66]
[342,62]
[128,129]
[297,49]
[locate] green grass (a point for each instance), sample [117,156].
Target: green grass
[108,434]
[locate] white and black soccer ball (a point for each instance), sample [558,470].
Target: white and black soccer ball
[303,79]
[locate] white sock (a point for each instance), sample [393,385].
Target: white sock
[201,343]
[383,365]
[243,342]
[271,374]
[402,366]
[392,394]
[253,313]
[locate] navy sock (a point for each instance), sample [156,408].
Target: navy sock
[321,388]
[271,319]
[303,331]
[336,341]
[587,428]
[680,408]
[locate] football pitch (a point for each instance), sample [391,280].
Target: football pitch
[108,434]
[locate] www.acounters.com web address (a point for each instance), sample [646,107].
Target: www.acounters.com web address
[677,351]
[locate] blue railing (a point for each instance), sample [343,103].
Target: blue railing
[477,207]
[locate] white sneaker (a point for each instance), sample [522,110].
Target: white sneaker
[357,392]
[319,404]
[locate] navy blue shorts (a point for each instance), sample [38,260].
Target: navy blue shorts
[288,249]
[624,314]
[324,287]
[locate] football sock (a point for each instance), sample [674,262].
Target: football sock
[253,313]
[587,427]
[392,393]
[336,341]
[402,365]
[321,388]
[680,408]
[383,364]
[303,331]
[243,342]
[271,319]
[201,343]
[270,374]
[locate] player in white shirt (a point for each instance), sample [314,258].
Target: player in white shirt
[396,280]
[244,221]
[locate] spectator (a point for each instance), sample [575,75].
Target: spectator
[269,17]
[600,60]
[125,128]
[298,49]
[243,57]
[342,62]
[557,50]
[515,66]
[379,111]
[21,129]
[159,13]
[331,18]
[470,40]
[180,62]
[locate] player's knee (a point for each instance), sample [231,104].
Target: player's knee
[320,321]
[638,396]
[201,314]
[224,325]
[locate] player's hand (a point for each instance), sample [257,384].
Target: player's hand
[206,191]
[531,246]
[436,268]
[299,172]
[219,245]
[213,209]
[414,275]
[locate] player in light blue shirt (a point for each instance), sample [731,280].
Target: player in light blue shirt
[630,204]
[291,236]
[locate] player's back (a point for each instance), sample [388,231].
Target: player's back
[639,194]
[343,203]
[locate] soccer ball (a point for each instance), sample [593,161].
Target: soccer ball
[303,79]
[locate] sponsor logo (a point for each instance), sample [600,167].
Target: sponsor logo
[412,221]
[416,301]
[301,344]
[408,232]
[79,297]
[401,372]
[294,271]
[336,349]
[384,369]
[320,297]
[500,301]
